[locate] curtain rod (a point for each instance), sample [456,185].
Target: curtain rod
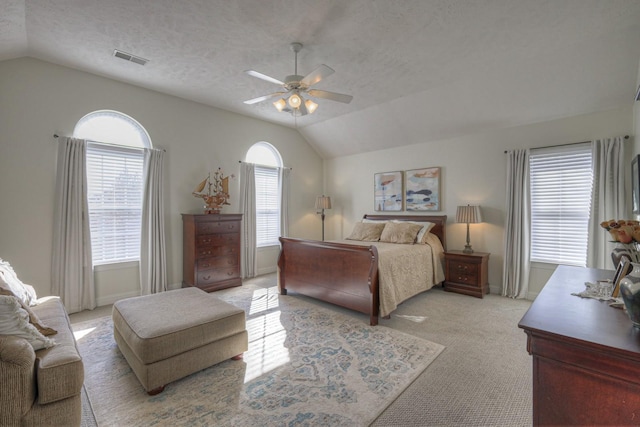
[562,145]
[284,167]
[55,135]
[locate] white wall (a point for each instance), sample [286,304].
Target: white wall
[38,99]
[473,171]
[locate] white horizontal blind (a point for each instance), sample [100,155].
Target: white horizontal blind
[267,206]
[561,185]
[115,185]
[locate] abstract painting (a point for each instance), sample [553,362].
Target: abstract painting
[388,191]
[423,189]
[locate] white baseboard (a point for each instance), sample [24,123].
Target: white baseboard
[110,299]
[266,270]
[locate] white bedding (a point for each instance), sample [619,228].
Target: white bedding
[406,270]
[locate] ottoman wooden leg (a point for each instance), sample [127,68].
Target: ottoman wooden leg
[238,357]
[156,390]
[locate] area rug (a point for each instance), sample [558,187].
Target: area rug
[306,365]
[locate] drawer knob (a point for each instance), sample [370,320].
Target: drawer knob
[206,277]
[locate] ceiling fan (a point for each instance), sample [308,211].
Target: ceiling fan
[295,85]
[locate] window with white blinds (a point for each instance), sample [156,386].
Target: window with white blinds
[115,185]
[267,206]
[561,184]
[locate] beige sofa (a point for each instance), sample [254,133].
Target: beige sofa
[42,387]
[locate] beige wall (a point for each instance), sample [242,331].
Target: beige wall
[38,99]
[473,171]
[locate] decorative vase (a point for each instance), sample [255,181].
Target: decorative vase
[630,291]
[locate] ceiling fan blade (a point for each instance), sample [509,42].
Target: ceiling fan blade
[303,109]
[333,96]
[316,75]
[263,98]
[264,77]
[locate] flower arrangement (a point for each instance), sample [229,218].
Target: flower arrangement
[627,234]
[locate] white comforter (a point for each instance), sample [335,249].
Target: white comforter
[406,270]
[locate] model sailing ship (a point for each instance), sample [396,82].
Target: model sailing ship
[217,194]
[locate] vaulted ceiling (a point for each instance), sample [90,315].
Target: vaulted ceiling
[419,70]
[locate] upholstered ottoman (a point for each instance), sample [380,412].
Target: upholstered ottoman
[170,335]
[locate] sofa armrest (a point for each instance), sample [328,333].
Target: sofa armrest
[17,376]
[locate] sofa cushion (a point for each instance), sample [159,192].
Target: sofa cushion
[59,369]
[14,320]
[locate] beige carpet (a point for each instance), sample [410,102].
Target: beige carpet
[306,365]
[482,378]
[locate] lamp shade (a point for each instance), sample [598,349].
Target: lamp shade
[323,202]
[469,214]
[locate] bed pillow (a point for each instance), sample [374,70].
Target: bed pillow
[9,280]
[14,320]
[400,232]
[366,231]
[33,317]
[375,221]
[426,227]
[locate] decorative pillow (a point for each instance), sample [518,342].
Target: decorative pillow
[375,221]
[366,231]
[400,232]
[426,227]
[33,318]
[9,280]
[14,320]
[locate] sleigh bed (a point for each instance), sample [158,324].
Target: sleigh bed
[361,275]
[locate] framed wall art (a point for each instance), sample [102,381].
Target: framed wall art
[422,187]
[387,189]
[635,185]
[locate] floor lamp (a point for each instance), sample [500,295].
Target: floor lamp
[471,215]
[323,202]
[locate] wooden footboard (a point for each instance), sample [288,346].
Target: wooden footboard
[341,274]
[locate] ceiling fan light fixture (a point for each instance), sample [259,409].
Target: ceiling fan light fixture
[280,104]
[311,106]
[295,101]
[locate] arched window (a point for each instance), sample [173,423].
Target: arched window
[115,163]
[268,163]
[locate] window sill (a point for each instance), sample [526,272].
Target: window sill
[116,266]
[269,247]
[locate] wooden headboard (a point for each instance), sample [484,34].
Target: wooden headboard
[439,229]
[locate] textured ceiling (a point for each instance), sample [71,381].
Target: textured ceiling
[419,70]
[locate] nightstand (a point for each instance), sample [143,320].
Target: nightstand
[467,273]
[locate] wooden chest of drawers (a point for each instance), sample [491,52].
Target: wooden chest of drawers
[467,273]
[211,251]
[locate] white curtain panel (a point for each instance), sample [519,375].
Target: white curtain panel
[153,252]
[285,191]
[608,198]
[249,260]
[517,240]
[71,264]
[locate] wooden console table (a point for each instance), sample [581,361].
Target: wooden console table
[586,355]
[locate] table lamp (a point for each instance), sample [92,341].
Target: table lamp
[471,215]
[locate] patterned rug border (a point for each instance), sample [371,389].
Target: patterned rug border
[267,398]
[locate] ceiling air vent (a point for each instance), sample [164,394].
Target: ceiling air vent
[129,57]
